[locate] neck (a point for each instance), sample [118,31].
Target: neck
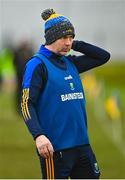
[51,48]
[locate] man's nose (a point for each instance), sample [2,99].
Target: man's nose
[68,41]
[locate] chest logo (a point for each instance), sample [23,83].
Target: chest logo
[71,86]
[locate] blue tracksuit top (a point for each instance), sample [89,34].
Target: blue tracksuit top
[56,108]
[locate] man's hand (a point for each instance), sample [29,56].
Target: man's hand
[44,146]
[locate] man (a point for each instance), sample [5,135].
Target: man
[21,55]
[53,101]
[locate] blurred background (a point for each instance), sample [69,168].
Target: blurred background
[100,22]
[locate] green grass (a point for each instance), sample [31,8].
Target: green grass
[18,157]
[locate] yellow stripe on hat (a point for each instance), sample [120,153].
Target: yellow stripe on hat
[53,16]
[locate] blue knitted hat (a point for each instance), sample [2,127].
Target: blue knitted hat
[56,26]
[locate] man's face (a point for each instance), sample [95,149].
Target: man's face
[63,45]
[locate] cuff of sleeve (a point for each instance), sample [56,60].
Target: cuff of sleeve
[74,45]
[36,135]
[77,45]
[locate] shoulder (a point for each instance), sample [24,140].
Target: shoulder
[33,69]
[33,62]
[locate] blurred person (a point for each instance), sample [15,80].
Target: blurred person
[1,77]
[53,101]
[1,81]
[6,66]
[21,55]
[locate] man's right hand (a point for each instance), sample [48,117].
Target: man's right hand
[44,146]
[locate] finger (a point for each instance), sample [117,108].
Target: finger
[50,150]
[45,152]
[51,153]
[40,148]
[42,152]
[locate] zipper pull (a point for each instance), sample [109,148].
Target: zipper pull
[60,154]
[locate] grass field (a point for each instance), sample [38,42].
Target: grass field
[18,158]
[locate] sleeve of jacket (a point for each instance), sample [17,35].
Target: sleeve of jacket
[92,56]
[31,88]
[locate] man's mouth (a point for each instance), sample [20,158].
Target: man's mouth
[65,50]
